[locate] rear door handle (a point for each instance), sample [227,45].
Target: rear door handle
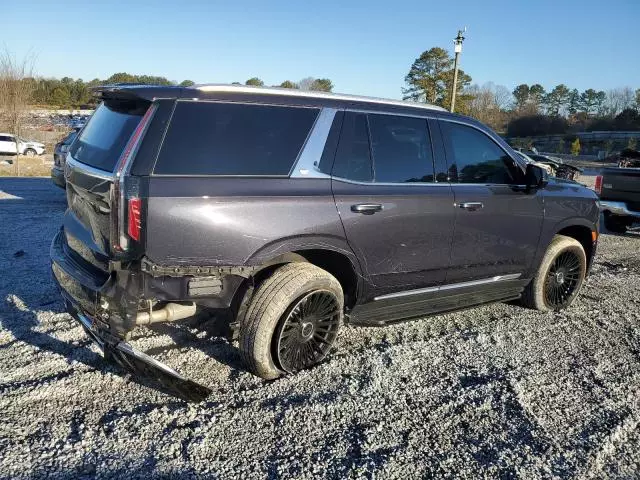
[366,208]
[471,206]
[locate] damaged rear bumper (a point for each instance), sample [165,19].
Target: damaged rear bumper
[107,308]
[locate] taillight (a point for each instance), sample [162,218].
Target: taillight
[119,203]
[135,207]
[598,186]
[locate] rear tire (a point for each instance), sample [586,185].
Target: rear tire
[559,277]
[292,320]
[615,223]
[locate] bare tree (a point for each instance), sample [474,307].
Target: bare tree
[488,103]
[617,100]
[305,83]
[15,94]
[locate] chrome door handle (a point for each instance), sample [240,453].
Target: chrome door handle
[471,206]
[366,208]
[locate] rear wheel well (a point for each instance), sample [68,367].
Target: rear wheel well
[335,263]
[581,234]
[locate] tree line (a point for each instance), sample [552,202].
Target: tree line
[67,92]
[527,110]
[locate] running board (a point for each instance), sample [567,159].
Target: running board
[401,308]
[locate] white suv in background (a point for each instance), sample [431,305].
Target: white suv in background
[30,149]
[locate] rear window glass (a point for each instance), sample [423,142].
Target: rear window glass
[105,136]
[210,138]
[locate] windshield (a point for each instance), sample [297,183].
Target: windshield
[105,136]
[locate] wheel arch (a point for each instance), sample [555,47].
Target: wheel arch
[342,266]
[583,234]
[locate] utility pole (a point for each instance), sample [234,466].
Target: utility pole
[457,48]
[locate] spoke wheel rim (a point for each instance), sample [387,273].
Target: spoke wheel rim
[563,279]
[307,331]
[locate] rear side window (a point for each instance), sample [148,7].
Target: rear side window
[474,157]
[105,136]
[401,149]
[211,138]
[353,158]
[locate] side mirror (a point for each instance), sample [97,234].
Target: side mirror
[536,177]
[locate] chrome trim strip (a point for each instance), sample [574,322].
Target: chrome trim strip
[395,184]
[451,286]
[288,92]
[617,208]
[95,172]
[418,115]
[429,184]
[306,165]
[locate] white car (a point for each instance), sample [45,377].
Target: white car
[30,149]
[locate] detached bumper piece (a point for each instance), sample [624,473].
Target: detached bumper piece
[84,292]
[143,365]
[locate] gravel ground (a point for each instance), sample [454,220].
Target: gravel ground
[496,391]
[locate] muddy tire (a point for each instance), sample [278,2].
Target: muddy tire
[559,277]
[292,320]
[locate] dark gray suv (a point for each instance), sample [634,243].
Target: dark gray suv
[298,211]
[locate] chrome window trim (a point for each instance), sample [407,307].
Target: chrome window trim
[95,172]
[287,92]
[430,184]
[306,165]
[418,115]
[394,184]
[451,286]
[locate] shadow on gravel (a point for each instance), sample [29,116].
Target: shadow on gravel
[22,325]
[215,343]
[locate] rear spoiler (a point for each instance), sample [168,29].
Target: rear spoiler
[135,91]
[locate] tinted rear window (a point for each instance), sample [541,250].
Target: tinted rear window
[105,136]
[210,138]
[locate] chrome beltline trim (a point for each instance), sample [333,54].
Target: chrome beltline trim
[451,286]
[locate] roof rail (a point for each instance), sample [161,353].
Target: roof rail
[217,87]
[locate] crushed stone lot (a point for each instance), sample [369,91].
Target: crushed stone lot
[496,391]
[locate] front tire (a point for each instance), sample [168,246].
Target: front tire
[559,277]
[292,320]
[30,152]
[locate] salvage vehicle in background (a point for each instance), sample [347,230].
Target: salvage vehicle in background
[24,147]
[59,155]
[619,191]
[297,211]
[558,168]
[629,158]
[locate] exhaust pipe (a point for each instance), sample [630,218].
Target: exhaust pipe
[168,313]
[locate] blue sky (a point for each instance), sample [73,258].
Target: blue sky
[364,47]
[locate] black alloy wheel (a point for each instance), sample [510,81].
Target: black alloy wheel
[562,279]
[309,328]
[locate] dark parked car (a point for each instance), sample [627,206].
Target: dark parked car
[59,155]
[296,211]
